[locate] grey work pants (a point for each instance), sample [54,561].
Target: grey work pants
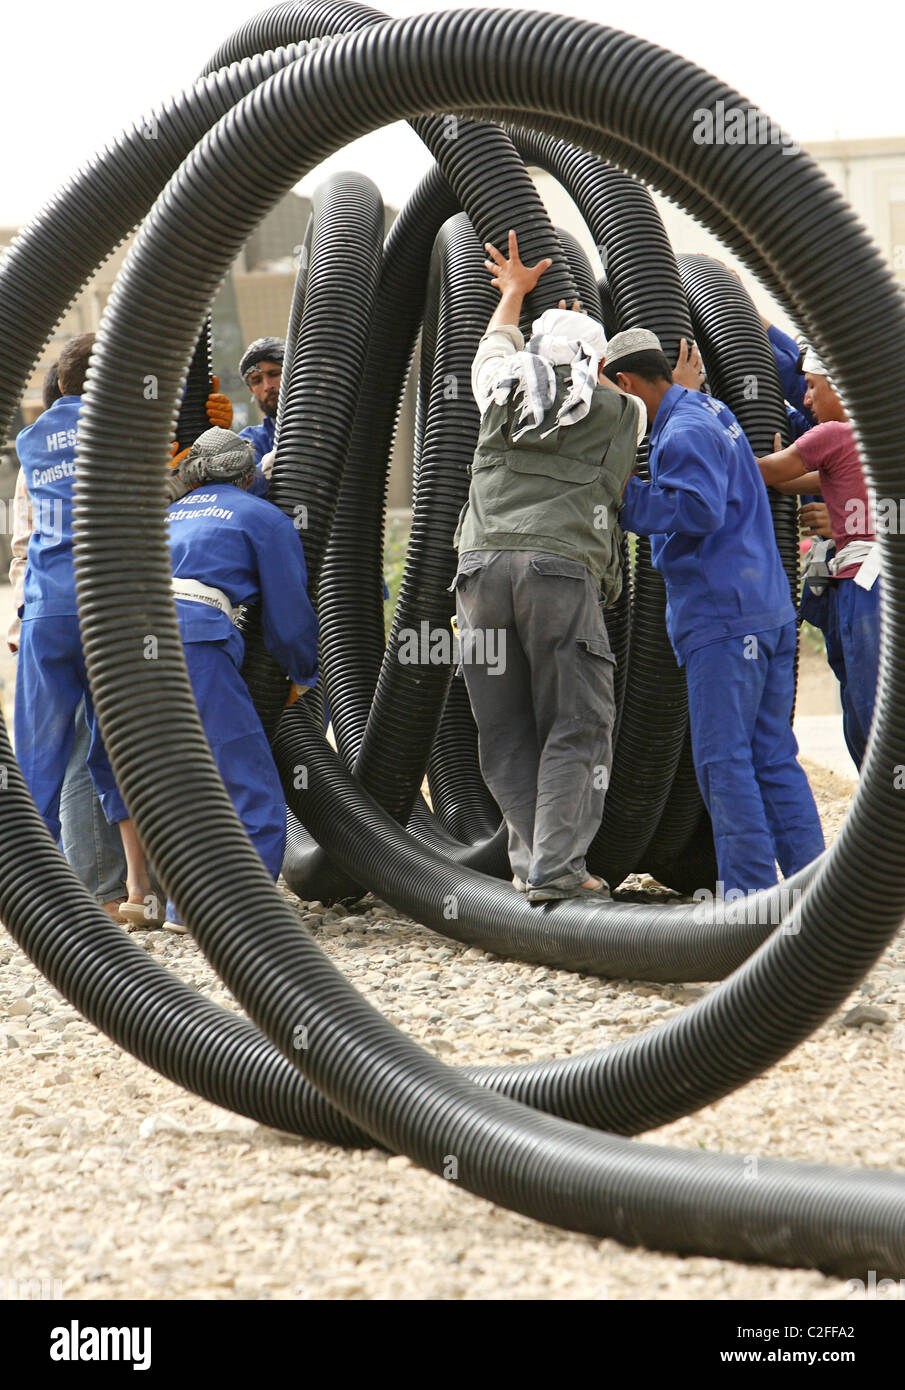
[544,705]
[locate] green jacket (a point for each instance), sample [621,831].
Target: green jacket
[561,494]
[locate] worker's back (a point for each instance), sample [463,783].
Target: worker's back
[555,490]
[724,578]
[247,549]
[46,452]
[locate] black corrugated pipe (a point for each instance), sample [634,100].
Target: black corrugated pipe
[350,606]
[607,307]
[320,396]
[490,180]
[193,418]
[82,231]
[206,1048]
[211,1070]
[294,326]
[149,124]
[108,207]
[681,852]
[838,1219]
[416,668]
[583,275]
[328,358]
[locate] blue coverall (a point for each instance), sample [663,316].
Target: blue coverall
[51,678]
[260,437]
[786,354]
[732,625]
[860,617]
[233,541]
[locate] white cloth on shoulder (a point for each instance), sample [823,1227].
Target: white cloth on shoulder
[560,337]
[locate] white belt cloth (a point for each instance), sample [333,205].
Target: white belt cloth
[865,554]
[195,592]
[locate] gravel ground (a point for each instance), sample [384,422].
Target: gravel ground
[118,1184]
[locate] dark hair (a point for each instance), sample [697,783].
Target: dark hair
[50,391]
[72,367]
[650,365]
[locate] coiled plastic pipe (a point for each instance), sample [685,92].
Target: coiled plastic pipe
[838,1219]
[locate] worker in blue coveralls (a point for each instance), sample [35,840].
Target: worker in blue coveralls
[230,547]
[729,616]
[51,679]
[91,844]
[261,368]
[819,592]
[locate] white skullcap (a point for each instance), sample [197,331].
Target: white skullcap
[630,341]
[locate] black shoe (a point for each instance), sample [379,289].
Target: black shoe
[551,894]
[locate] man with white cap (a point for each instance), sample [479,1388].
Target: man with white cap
[825,459]
[729,615]
[538,540]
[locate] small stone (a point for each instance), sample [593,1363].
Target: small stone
[27,1107]
[20,1008]
[864,1013]
[160,1124]
[541,998]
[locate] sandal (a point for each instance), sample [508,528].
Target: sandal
[139,915]
[551,894]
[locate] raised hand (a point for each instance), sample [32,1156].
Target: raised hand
[510,275]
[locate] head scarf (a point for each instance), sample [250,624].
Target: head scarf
[560,337]
[812,363]
[218,456]
[261,350]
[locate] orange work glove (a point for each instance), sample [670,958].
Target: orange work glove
[219,407]
[295,691]
[177,454]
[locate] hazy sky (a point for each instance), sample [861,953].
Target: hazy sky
[75,74]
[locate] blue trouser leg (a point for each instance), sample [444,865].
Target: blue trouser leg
[858,613]
[739,703]
[240,749]
[91,846]
[48,693]
[822,611]
[51,682]
[855,737]
[788,800]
